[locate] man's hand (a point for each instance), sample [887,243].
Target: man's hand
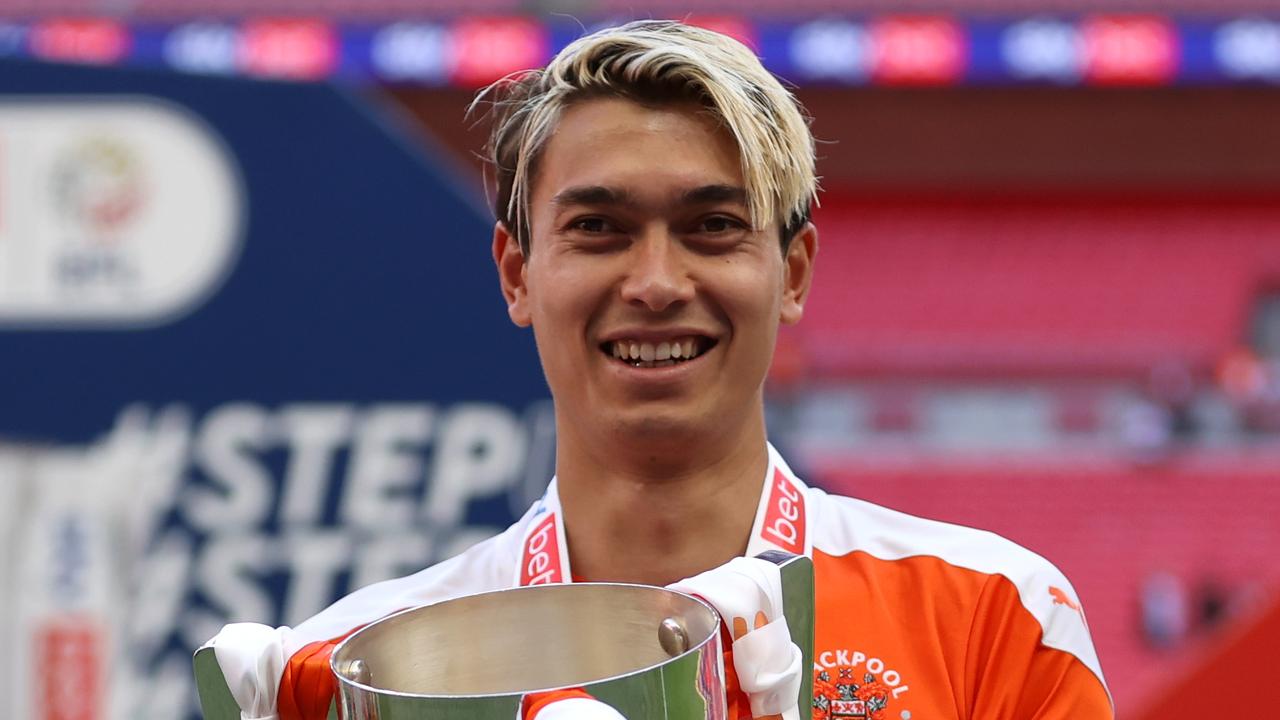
[739,629]
[768,665]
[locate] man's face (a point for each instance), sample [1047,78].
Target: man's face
[654,303]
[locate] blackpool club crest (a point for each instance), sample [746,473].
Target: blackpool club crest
[847,696]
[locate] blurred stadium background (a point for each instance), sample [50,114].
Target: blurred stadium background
[252,355]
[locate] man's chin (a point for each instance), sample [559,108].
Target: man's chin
[659,427]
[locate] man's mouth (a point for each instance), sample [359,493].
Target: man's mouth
[647,354]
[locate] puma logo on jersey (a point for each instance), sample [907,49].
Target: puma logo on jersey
[1060,598]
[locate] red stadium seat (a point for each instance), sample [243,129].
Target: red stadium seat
[999,286]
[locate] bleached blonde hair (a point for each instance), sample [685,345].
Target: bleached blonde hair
[655,62]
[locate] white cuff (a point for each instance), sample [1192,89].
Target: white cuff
[251,657]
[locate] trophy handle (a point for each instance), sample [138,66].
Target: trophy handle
[798,605]
[216,701]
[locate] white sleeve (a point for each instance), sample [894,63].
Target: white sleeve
[252,659]
[769,666]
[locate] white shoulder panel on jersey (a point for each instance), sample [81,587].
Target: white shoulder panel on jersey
[486,566]
[843,525]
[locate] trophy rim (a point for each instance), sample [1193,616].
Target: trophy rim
[335,656]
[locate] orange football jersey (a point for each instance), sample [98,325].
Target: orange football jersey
[915,618]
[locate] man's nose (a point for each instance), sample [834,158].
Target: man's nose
[657,276]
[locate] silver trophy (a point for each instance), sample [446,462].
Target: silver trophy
[648,652]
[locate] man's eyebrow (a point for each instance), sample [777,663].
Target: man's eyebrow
[592,195]
[604,195]
[708,194]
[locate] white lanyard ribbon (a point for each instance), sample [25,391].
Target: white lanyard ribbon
[781,523]
[544,553]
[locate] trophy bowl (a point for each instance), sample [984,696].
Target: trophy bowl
[647,651]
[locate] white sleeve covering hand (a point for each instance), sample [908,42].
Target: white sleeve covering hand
[769,666]
[252,658]
[578,708]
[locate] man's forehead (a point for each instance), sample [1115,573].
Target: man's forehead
[600,110]
[603,134]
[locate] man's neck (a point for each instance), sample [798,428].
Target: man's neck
[632,518]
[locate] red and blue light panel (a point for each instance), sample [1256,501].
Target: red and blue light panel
[885,50]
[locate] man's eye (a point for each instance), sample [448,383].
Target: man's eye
[591,225]
[719,224]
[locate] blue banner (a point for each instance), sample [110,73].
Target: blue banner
[261,330]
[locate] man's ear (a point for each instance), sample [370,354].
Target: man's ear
[511,274]
[798,273]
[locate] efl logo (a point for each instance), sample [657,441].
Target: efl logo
[540,564]
[784,518]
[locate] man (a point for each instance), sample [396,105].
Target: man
[654,185]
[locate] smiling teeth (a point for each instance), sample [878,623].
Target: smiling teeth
[644,354]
